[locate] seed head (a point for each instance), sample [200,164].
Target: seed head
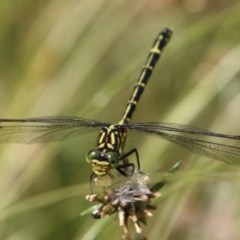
[129,198]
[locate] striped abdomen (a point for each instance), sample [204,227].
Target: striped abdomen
[152,59]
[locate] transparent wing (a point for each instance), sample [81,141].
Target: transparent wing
[45,129]
[221,152]
[155,127]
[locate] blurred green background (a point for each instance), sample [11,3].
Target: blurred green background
[82,58]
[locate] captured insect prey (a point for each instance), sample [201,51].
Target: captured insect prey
[109,152]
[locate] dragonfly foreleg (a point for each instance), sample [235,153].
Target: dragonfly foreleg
[124,156]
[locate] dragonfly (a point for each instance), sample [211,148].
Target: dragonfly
[109,152]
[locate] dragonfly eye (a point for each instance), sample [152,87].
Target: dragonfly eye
[92,155]
[112,159]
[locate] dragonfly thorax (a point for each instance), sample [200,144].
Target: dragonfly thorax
[102,161]
[112,138]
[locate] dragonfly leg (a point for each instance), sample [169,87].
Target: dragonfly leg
[134,150]
[92,176]
[122,169]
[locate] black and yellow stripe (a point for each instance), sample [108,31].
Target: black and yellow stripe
[154,54]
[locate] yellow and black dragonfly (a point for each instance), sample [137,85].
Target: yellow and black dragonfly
[109,153]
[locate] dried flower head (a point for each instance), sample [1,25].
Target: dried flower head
[129,197]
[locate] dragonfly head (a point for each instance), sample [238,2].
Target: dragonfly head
[102,161]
